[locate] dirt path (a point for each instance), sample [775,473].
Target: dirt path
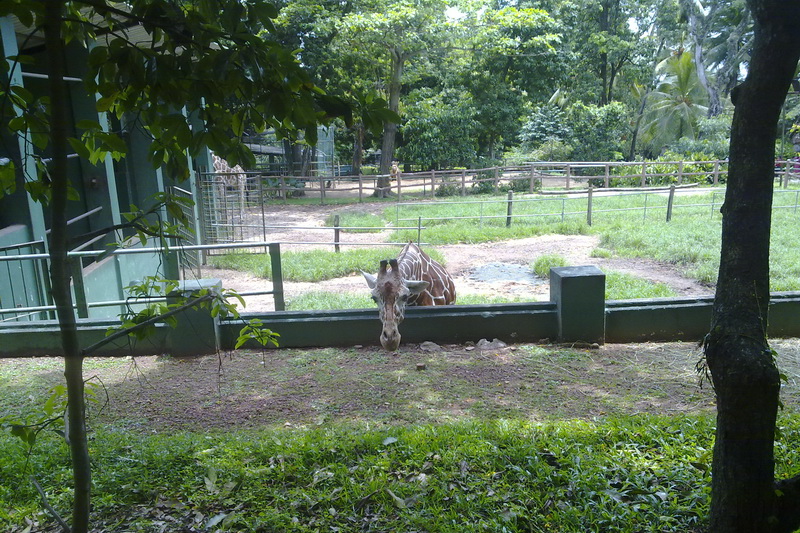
[494,269]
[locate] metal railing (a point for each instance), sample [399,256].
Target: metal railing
[82,305]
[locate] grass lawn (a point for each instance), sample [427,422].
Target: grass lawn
[525,438]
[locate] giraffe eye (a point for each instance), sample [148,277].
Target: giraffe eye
[374,299]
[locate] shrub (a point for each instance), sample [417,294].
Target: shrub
[448,188]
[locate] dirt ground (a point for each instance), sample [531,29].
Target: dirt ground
[496,269]
[420,384]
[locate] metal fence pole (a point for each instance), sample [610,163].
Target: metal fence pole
[509,208]
[76,267]
[336,233]
[589,206]
[670,201]
[277,276]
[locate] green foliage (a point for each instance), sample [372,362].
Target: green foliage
[712,140]
[440,131]
[621,475]
[255,330]
[674,109]
[141,323]
[598,132]
[666,173]
[547,123]
[448,188]
[541,267]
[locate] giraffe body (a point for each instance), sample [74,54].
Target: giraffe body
[411,279]
[230,177]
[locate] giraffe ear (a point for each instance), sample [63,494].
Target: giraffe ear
[417,286]
[372,281]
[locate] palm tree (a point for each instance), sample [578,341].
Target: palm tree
[676,105]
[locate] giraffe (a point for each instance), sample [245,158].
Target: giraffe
[230,177]
[411,279]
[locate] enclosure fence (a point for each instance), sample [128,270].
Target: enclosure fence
[82,303]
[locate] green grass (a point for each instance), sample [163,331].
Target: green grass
[319,300]
[622,475]
[313,265]
[691,240]
[541,267]
[619,285]
[354,219]
[622,286]
[629,226]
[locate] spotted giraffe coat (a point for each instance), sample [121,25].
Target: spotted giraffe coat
[414,264]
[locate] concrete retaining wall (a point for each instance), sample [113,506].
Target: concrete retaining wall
[574,316]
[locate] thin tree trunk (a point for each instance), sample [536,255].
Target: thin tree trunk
[60,272]
[358,147]
[390,128]
[714,104]
[743,370]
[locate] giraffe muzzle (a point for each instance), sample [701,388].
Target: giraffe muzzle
[390,340]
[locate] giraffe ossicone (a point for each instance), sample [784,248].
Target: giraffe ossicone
[411,279]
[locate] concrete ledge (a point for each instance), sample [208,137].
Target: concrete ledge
[522,322]
[43,339]
[661,319]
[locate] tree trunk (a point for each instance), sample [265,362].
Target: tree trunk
[714,104]
[390,128]
[745,377]
[358,147]
[60,272]
[604,18]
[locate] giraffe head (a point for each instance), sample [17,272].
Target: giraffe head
[391,292]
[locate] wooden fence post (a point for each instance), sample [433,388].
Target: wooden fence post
[336,233]
[509,208]
[322,190]
[419,230]
[670,201]
[567,175]
[496,178]
[360,188]
[716,172]
[644,174]
[282,181]
[680,175]
[606,178]
[463,183]
[589,207]
[532,184]
[399,185]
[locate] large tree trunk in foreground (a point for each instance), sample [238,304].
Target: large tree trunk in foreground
[60,276]
[744,373]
